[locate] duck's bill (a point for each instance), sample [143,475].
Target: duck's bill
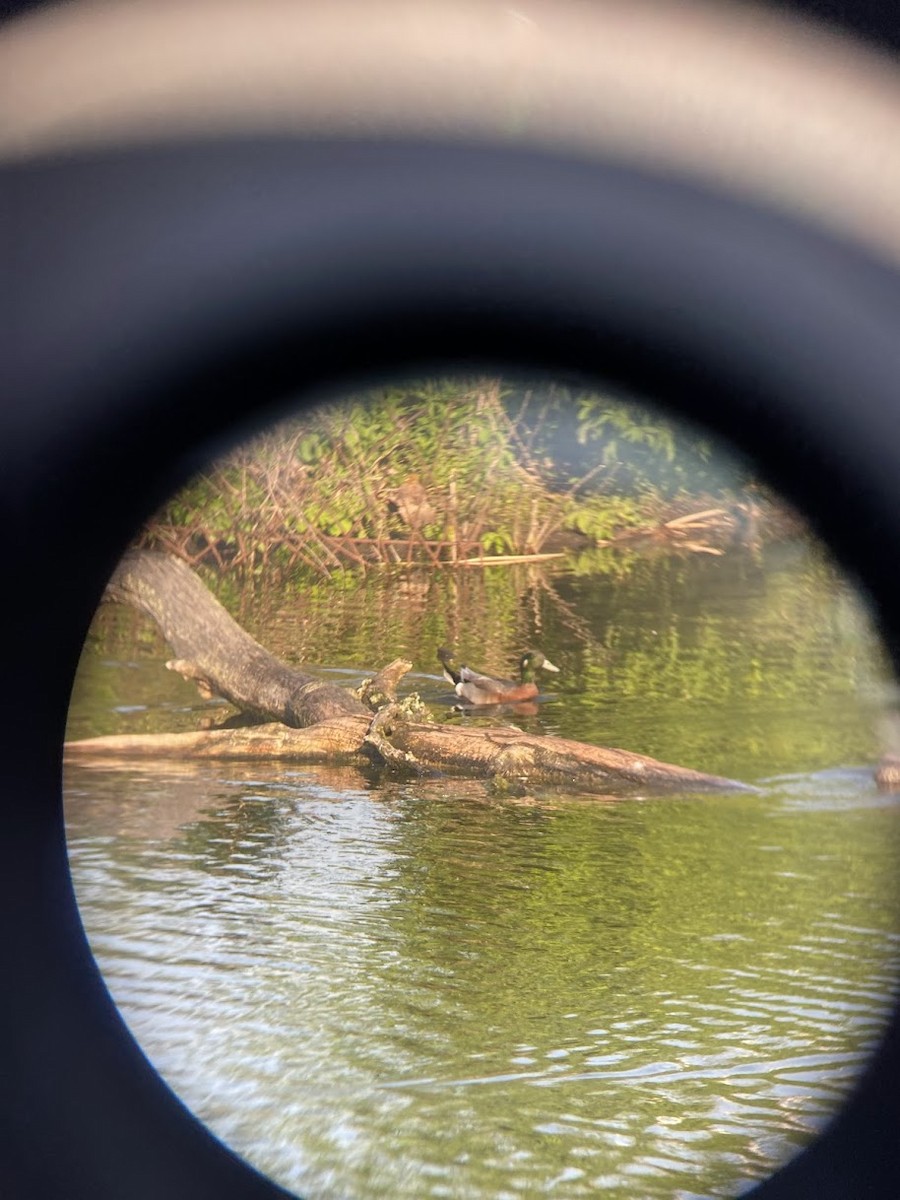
[548,665]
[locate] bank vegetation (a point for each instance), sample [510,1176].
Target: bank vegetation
[459,472]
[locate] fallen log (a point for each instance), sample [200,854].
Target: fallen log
[336,739]
[320,722]
[505,755]
[508,754]
[212,650]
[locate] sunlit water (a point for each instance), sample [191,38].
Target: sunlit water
[415,989]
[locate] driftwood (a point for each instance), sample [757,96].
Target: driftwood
[314,721]
[505,755]
[336,739]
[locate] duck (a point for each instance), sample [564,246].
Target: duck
[475,688]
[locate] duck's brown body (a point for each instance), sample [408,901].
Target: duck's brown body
[478,689]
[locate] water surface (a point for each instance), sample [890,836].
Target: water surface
[414,988]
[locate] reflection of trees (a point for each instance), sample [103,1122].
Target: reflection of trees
[726,632]
[567,613]
[741,663]
[670,626]
[504,908]
[371,619]
[123,664]
[256,817]
[460,929]
[506,915]
[138,805]
[209,813]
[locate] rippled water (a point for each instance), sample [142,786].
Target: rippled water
[410,991]
[415,989]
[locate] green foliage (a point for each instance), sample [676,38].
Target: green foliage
[640,448]
[444,469]
[495,543]
[611,422]
[601,517]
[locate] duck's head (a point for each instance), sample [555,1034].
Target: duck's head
[531,660]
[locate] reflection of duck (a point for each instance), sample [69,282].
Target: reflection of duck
[474,688]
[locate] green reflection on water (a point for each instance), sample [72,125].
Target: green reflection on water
[411,989]
[406,990]
[748,665]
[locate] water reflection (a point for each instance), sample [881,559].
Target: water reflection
[745,666]
[410,990]
[374,987]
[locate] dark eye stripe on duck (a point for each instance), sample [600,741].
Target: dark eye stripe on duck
[476,688]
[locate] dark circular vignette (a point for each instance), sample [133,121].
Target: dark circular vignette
[172,297]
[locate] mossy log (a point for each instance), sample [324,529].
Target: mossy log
[321,722]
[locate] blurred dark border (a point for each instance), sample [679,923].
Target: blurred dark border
[167,298]
[131,346]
